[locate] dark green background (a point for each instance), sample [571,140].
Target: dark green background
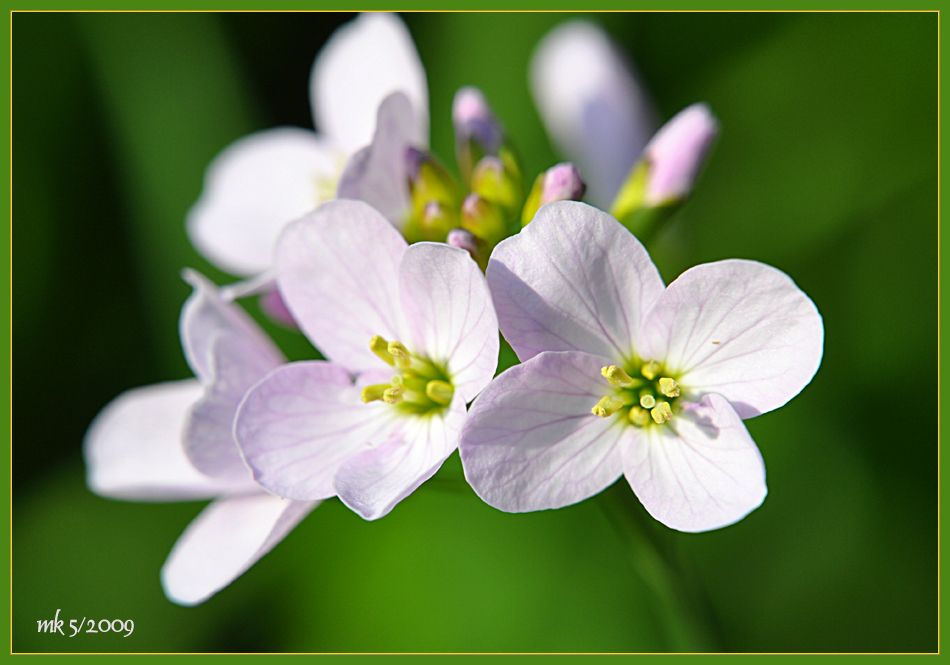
[826,168]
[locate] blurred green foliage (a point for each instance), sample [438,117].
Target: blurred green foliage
[826,168]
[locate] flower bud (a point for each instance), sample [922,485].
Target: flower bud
[493,182]
[477,130]
[436,221]
[561,182]
[429,180]
[677,152]
[464,240]
[483,219]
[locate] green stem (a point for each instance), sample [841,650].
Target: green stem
[686,624]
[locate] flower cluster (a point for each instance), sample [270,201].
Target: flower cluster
[402,276]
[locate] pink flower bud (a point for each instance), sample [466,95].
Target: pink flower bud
[677,152]
[464,240]
[474,120]
[562,182]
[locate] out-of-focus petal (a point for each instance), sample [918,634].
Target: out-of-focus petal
[450,314]
[677,152]
[227,538]
[253,188]
[205,316]
[374,480]
[574,279]
[338,271]
[738,328]
[378,173]
[531,441]
[237,363]
[301,422]
[699,471]
[592,105]
[362,63]
[133,448]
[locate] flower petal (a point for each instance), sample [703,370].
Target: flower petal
[531,441]
[237,363]
[574,279]
[378,173]
[450,314]
[254,188]
[206,315]
[133,448]
[361,64]
[374,480]
[741,329]
[338,271]
[699,471]
[592,105]
[227,538]
[301,422]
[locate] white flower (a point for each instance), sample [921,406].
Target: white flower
[263,181]
[671,371]
[173,442]
[416,328]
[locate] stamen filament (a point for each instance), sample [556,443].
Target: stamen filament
[374,392]
[607,406]
[617,376]
[669,387]
[380,346]
[661,413]
[440,392]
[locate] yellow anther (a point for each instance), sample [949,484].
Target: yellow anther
[440,392]
[650,369]
[380,347]
[607,406]
[393,395]
[639,417]
[399,353]
[647,401]
[374,392]
[661,412]
[669,387]
[617,376]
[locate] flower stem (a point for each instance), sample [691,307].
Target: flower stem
[685,620]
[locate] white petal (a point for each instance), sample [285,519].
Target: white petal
[255,187]
[574,279]
[592,105]
[133,448]
[338,271]
[373,481]
[737,328]
[301,422]
[227,538]
[361,64]
[699,471]
[531,441]
[379,174]
[237,364]
[449,310]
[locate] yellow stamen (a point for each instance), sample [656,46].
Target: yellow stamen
[374,392]
[380,346]
[669,387]
[617,376]
[393,395]
[607,406]
[440,392]
[647,401]
[399,353]
[650,370]
[661,413]
[639,417]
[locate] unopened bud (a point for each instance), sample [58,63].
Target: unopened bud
[561,182]
[429,180]
[484,219]
[474,121]
[492,181]
[436,221]
[464,240]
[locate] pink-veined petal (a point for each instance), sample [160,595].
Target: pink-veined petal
[363,62]
[374,480]
[738,328]
[699,471]
[133,448]
[531,441]
[379,173]
[574,279]
[338,271]
[301,422]
[227,538]
[450,314]
[592,105]
[206,315]
[255,187]
[237,363]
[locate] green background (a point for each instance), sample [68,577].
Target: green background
[826,168]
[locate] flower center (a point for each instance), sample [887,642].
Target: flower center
[649,396]
[419,386]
